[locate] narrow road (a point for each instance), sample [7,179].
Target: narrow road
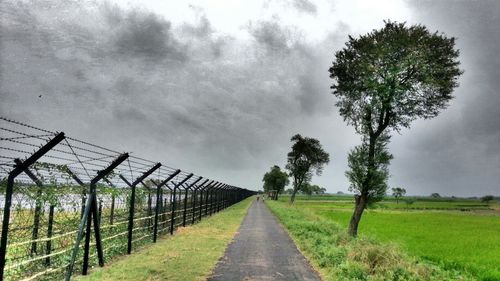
[262,250]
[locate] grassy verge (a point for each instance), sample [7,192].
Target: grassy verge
[188,255]
[463,241]
[338,257]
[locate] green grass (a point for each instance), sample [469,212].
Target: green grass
[462,241]
[435,231]
[190,254]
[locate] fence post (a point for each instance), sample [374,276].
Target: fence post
[214,196]
[220,200]
[10,190]
[201,197]
[158,202]
[132,202]
[172,220]
[200,187]
[207,195]
[93,216]
[38,206]
[185,200]
[48,248]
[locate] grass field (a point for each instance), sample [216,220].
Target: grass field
[188,255]
[460,235]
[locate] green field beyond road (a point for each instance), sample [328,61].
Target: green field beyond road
[190,254]
[456,235]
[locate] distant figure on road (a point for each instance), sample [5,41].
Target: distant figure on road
[258,197]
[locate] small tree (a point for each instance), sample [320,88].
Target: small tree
[275,180]
[409,201]
[435,195]
[384,80]
[307,156]
[487,198]
[398,193]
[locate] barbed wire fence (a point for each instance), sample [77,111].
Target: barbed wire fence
[67,204]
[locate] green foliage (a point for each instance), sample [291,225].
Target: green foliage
[435,195]
[311,189]
[409,201]
[487,198]
[307,156]
[392,76]
[373,184]
[275,179]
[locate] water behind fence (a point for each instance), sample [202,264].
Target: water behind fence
[68,205]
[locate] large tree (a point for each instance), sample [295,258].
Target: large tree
[275,180]
[383,81]
[307,157]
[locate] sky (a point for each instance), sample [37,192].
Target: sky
[219,87]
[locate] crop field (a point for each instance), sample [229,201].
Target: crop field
[456,234]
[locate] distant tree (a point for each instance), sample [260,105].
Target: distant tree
[311,189]
[340,192]
[307,156]
[276,180]
[383,81]
[435,195]
[306,188]
[487,198]
[398,193]
[289,191]
[320,190]
[409,201]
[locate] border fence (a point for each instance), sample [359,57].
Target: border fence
[68,205]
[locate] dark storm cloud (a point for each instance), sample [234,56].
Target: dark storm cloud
[458,152]
[181,94]
[146,34]
[194,97]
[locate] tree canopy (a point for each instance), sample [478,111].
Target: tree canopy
[275,179]
[392,76]
[306,158]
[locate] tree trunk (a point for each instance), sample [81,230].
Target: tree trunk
[293,195]
[360,206]
[361,200]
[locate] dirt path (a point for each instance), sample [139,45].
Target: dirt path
[262,250]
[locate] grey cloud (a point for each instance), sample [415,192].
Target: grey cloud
[201,29]
[274,37]
[192,97]
[458,150]
[148,35]
[305,6]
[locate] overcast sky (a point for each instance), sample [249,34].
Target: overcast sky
[219,87]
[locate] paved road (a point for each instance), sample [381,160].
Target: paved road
[262,250]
